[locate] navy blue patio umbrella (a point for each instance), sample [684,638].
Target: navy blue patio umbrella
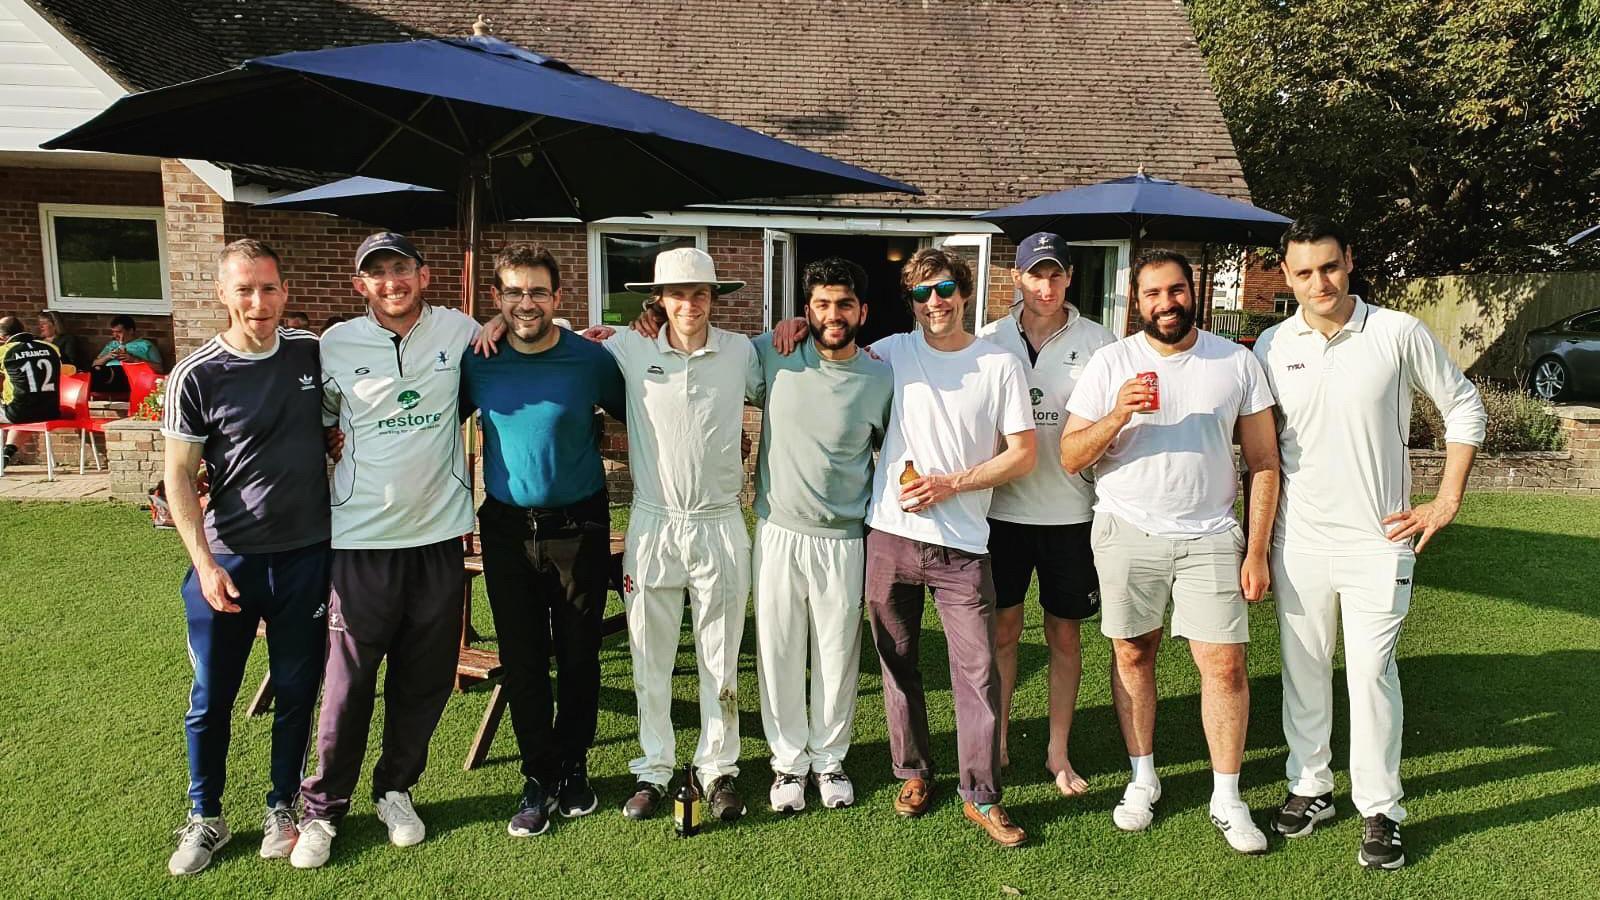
[512,134]
[1144,208]
[392,204]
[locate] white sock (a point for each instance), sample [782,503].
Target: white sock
[1144,769]
[1224,788]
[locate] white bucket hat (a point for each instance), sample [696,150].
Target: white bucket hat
[685,265]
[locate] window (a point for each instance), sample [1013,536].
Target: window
[105,258]
[619,255]
[1285,304]
[1588,323]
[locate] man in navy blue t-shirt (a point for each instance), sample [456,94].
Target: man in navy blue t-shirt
[546,527]
[248,406]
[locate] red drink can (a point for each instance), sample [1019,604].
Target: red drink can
[1149,378]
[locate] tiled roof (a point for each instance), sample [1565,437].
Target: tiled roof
[981,103]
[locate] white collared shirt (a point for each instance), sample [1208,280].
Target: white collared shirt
[1344,417]
[402,480]
[1048,495]
[686,417]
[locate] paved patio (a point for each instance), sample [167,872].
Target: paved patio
[27,482]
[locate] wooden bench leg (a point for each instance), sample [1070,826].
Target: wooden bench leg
[262,701]
[486,729]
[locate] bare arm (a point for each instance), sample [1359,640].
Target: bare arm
[1083,442]
[1258,444]
[182,461]
[1015,461]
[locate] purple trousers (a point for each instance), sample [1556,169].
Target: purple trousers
[404,604]
[898,571]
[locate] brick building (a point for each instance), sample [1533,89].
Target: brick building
[944,94]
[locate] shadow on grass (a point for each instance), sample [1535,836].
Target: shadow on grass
[1552,571]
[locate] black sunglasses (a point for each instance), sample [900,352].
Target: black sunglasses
[922,292]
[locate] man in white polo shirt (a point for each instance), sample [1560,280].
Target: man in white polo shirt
[391,382]
[1343,373]
[686,393]
[1041,521]
[1164,530]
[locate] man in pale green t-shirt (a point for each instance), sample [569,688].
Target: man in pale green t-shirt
[826,406]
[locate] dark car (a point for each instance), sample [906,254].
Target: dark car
[1563,360]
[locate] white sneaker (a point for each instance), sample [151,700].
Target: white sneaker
[198,839]
[1232,817]
[314,845]
[1138,806]
[278,833]
[405,828]
[836,790]
[788,793]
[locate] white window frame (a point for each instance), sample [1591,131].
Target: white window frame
[1117,311]
[597,257]
[777,295]
[979,303]
[52,273]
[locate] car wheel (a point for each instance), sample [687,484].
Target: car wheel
[1549,379]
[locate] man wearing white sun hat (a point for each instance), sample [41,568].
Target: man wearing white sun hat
[685,412]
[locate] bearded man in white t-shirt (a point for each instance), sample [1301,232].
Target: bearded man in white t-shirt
[1156,414]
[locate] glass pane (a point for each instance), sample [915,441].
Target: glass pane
[630,257]
[970,254]
[109,258]
[1094,278]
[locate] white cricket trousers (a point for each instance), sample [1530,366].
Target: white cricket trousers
[808,609]
[707,554]
[1369,596]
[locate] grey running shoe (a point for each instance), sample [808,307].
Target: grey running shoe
[1299,815]
[198,840]
[278,833]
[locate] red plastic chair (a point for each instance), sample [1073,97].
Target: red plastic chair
[74,398]
[141,383]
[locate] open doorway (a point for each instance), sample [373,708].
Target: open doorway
[882,256]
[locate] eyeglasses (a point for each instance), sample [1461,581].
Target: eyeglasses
[398,270]
[946,289]
[517,295]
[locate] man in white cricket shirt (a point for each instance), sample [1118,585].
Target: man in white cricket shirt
[1041,521]
[1343,373]
[1164,530]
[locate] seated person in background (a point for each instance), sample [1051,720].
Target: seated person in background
[74,352]
[297,320]
[31,371]
[106,376]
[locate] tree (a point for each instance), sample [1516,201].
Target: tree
[1450,136]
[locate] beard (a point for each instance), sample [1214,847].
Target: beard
[541,330]
[817,333]
[1184,326]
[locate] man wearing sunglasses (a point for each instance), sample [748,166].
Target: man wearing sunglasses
[391,382]
[1041,520]
[956,398]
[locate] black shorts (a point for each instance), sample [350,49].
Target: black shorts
[1068,585]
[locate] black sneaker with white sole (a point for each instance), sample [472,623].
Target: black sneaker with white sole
[575,796]
[1380,843]
[533,812]
[1299,815]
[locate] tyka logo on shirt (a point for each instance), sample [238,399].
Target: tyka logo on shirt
[655,370]
[1295,367]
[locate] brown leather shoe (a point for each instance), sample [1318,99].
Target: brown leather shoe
[915,795]
[646,798]
[999,825]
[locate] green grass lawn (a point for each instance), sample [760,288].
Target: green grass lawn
[1501,667]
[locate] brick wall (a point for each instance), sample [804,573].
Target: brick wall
[1262,284]
[135,455]
[196,230]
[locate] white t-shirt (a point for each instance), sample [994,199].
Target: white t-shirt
[686,417]
[951,412]
[1344,414]
[402,481]
[1171,471]
[1048,495]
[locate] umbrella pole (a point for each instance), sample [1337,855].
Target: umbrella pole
[1203,314]
[469,305]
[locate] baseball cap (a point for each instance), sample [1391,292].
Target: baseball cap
[387,240]
[1040,246]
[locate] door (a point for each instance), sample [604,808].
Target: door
[778,288]
[974,248]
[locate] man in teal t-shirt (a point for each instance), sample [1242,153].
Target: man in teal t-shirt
[546,527]
[825,408]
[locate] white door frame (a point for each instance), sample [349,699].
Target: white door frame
[980,288]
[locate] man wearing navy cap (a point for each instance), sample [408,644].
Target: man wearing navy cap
[391,383]
[1040,522]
